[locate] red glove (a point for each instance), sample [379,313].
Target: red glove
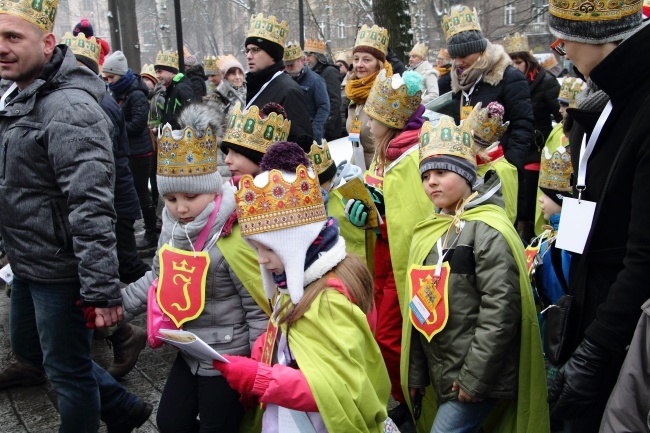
[89,314]
[240,372]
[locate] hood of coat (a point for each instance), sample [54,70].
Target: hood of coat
[489,191]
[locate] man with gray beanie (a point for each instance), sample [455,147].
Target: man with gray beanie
[610,141]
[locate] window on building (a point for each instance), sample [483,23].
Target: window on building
[538,10]
[341,29]
[509,13]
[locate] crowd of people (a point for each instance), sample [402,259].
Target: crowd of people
[463,273]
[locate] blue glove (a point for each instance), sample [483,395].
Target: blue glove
[378,198]
[356,212]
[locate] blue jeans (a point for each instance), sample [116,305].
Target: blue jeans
[48,329]
[456,417]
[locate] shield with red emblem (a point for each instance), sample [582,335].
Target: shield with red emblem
[531,253]
[429,304]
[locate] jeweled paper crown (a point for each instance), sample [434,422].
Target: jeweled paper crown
[320,156]
[555,170]
[445,138]
[391,106]
[167,58]
[148,69]
[420,50]
[292,51]
[487,127]
[548,62]
[269,29]
[515,43]
[315,46]
[591,10]
[570,89]
[249,130]
[460,20]
[375,37]
[81,46]
[211,65]
[187,155]
[279,204]
[41,13]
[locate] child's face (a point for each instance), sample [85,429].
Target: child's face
[377,129]
[186,207]
[548,206]
[268,258]
[445,189]
[238,164]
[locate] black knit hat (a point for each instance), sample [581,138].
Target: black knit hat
[555,195]
[249,153]
[276,51]
[465,43]
[88,62]
[595,32]
[166,68]
[460,166]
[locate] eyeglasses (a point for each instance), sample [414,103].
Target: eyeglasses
[253,50]
[558,47]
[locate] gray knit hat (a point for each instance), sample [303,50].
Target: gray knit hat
[115,64]
[465,43]
[460,166]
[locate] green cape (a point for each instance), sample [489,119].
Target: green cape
[355,238]
[555,139]
[509,184]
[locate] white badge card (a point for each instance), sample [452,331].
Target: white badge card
[6,274]
[575,224]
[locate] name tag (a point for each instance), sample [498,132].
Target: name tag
[575,224]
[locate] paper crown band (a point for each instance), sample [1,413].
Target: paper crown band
[250,130]
[186,155]
[81,46]
[41,13]
[460,20]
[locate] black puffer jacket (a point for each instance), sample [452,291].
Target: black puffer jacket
[544,90]
[135,106]
[197,77]
[330,73]
[178,94]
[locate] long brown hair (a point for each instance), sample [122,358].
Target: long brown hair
[531,62]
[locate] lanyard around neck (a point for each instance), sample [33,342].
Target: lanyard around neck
[587,148]
[3,99]
[277,74]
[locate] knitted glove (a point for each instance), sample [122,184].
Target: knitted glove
[356,212]
[240,372]
[378,198]
[89,314]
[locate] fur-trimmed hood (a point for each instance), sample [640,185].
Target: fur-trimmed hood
[497,62]
[199,116]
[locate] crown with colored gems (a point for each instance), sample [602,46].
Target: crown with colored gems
[41,13]
[548,62]
[315,46]
[250,130]
[389,105]
[187,154]
[570,89]
[460,20]
[211,65]
[81,46]
[292,52]
[590,10]
[515,43]
[167,58]
[320,157]
[445,138]
[555,170]
[420,50]
[280,203]
[375,37]
[487,124]
[269,29]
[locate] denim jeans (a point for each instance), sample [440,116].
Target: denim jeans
[46,327]
[456,417]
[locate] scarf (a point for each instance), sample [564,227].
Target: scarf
[490,66]
[255,80]
[593,99]
[120,87]
[442,70]
[358,89]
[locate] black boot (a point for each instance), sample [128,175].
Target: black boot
[21,373]
[134,418]
[127,341]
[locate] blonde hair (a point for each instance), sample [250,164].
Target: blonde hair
[382,143]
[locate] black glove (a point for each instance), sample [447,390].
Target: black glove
[578,382]
[378,198]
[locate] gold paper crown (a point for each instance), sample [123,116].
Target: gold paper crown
[211,65]
[390,106]
[41,13]
[187,155]
[167,58]
[81,46]
[485,129]
[249,130]
[515,43]
[320,157]
[315,46]
[548,62]
[292,52]
[590,10]
[280,203]
[444,54]
[555,170]
[269,29]
[460,20]
[346,56]
[420,50]
[447,139]
[374,37]
[148,69]
[570,89]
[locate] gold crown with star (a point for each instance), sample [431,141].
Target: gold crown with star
[250,130]
[374,37]
[167,58]
[570,89]
[446,138]
[81,46]
[555,169]
[269,29]
[515,43]
[389,105]
[292,51]
[315,46]
[211,65]
[460,20]
[486,125]
[187,154]
[280,203]
[590,10]
[548,62]
[41,13]
[320,157]
[420,50]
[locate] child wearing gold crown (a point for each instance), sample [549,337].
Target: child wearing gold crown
[202,285]
[470,328]
[319,368]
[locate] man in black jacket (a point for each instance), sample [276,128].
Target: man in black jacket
[179,92]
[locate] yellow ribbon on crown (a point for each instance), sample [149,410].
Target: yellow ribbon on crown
[81,46]
[187,155]
[211,65]
[315,46]
[41,13]
[460,20]
[269,29]
[446,138]
[167,58]
[571,87]
[249,130]
[292,51]
[555,169]
[515,43]
[374,37]
[391,106]
[590,10]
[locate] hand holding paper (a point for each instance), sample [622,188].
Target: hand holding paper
[191,344]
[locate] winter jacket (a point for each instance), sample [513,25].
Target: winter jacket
[56,178]
[226,97]
[135,106]
[429,81]
[368,144]
[330,73]
[231,320]
[198,79]
[345,103]
[178,94]
[318,102]
[544,90]
[444,84]
[395,62]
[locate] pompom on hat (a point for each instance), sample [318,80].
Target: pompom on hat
[84,27]
[393,100]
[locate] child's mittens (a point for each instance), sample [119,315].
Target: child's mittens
[356,212]
[89,314]
[240,373]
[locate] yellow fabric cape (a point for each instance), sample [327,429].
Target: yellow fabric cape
[509,183]
[529,413]
[355,238]
[341,361]
[555,139]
